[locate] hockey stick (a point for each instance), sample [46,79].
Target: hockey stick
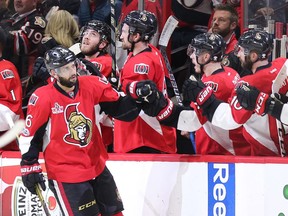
[277,83]
[167,31]
[113,41]
[19,125]
[41,198]
[12,133]
[75,48]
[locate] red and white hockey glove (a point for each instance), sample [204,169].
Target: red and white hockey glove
[145,90]
[198,92]
[32,175]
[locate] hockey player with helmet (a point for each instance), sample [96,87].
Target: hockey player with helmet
[62,114]
[144,134]
[95,38]
[206,51]
[253,50]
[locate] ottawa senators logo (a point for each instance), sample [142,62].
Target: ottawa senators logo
[213,85]
[80,127]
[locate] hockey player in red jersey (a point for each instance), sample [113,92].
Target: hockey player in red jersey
[144,134]
[253,50]
[10,94]
[206,51]
[62,115]
[95,39]
[261,103]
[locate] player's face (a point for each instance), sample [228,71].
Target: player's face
[244,57]
[66,75]
[90,41]
[24,6]
[124,37]
[221,23]
[197,56]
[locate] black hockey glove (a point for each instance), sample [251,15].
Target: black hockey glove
[252,99]
[40,71]
[196,91]
[85,67]
[145,90]
[32,175]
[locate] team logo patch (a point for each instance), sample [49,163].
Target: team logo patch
[33,99]
[79,127]
[141,68]
[213,85]
[7,74]
[225,61]
[98,65]
[57,109]
[40,22]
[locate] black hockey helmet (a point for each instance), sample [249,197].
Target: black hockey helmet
[101,27]
[142,22]
[258,41]
[209,42]
[58,57]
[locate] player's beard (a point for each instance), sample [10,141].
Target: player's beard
[247,64]
[66,82]
[223,32]
[91,51]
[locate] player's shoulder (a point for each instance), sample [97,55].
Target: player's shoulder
[279,61]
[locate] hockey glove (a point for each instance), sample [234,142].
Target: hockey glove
[252,99]
[85,67]
[196,91]
[31,175]
[145,90]
[40,71]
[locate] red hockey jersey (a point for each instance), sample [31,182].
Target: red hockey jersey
[72,145]
[10,98]
[144,130]
[211,139]
[259,131]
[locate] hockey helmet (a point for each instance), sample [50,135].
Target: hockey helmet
[208,42]
[256,40]
[142,22]
[58,57]
[101,27]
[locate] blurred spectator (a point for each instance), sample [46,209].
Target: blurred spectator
[5,12]
[24,31]
[260,11]
[61,29]
[97,10]
[10,94]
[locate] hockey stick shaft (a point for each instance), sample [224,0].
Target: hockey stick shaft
[37,187]
[12,134]
[165,36]
[41,198]
[113,38]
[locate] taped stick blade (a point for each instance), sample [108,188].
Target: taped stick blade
[12,134]
[167,31]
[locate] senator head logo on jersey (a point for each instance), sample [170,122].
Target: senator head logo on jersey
[79,127]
